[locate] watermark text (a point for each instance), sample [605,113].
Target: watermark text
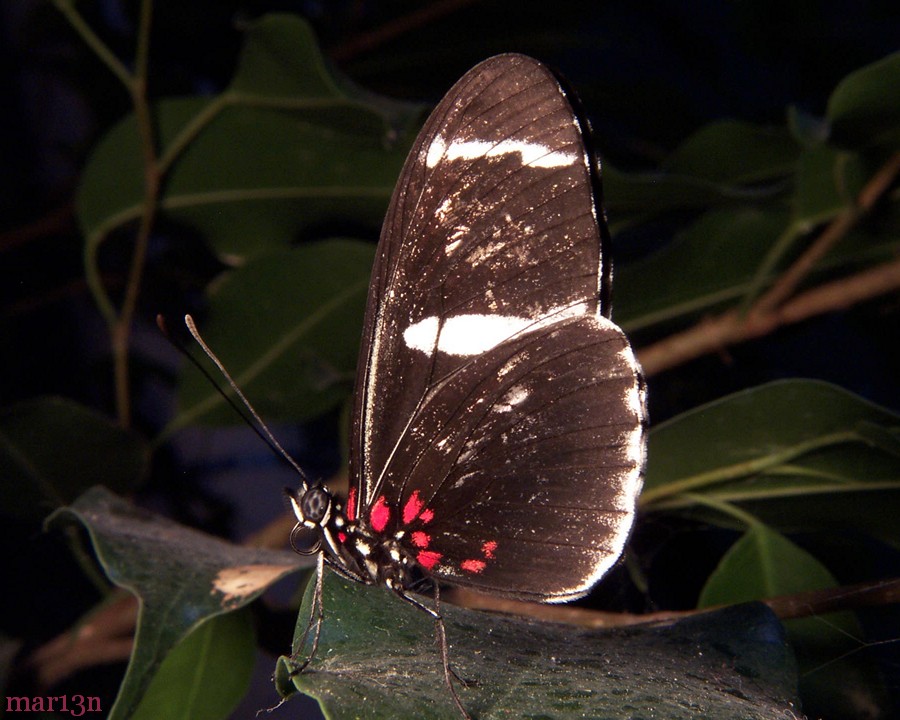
[74,705]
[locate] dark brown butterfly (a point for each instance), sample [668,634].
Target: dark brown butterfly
[498,427]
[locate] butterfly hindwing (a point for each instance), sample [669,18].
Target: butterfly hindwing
[527,487]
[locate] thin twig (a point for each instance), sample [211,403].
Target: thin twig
[790,280]
[120,323]
[121,331]
[730,328]
[775,308]
[393,29]
[100,49]
[786,607]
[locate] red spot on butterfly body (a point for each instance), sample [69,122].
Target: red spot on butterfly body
[428,558]
[379,515]
[342,537]
[421,539]
[488,548]
[472,566]
[351,505]
[427,516]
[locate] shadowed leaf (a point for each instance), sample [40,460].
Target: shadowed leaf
[181,578]
[378,659]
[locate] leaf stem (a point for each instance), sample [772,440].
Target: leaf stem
[90,38]
[120,323]
[190,131]
[776,307]
[724,507]
[743,469]
[765,271]
[121,330]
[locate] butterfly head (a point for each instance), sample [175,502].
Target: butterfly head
[312,507]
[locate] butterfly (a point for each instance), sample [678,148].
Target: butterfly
[498,428]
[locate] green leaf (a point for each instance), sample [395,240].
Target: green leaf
[726,254]
[284,150]
[207,673]
[864,109]
[828,182]
[180,576]
[281,60]
[763,564]
[87,449]
[709,169]
[710,264]
[796,454]
[287,326]
[633,198]
[735,152]
[378,659]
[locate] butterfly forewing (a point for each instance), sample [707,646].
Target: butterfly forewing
[498,413]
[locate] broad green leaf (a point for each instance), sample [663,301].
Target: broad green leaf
[378,659]
[797,454]
[281,60]
[722,257]
[735,152]
[722,164]
[762,564]
[207,673]
[286,326]
[708,265]
[633,198]
[864,109]
[730,252]
[53,449]
[284,150]
[181,578]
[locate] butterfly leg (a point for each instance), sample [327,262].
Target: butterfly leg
[316,616]
[441,632]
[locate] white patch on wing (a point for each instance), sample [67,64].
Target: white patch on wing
[473,334]
[453,242]
[512,398]
[444,208]
[532,154]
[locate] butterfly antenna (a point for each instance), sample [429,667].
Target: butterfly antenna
[242,409]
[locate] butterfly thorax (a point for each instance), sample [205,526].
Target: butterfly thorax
[353,548]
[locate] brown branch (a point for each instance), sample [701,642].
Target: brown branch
[785,286]
[821,602]
[58,221]
[393,29]
[786,607]
[105,636]
[714,334]
[774,309]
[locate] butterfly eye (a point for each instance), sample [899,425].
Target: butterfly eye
[315,504]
